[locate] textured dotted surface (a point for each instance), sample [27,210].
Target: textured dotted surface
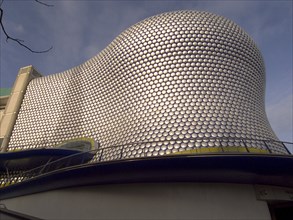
[176,81]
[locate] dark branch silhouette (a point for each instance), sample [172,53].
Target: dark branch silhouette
[19,41]
[38,1]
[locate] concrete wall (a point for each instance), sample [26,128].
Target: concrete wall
[145,201]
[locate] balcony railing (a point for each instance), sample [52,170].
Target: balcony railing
[143,150]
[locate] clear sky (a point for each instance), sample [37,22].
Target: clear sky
[78,30]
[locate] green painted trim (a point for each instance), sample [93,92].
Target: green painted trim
[90,140]
[223,150]
[82,139]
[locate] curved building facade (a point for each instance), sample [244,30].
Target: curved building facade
[174,82]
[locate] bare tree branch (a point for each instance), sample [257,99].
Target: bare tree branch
[42,3]
[19,41]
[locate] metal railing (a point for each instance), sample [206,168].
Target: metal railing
[288,146]
[142,150]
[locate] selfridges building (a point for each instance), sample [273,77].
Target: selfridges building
[167,122]
[178,81]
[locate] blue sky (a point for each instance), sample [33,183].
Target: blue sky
[78,30]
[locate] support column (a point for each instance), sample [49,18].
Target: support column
[25,75]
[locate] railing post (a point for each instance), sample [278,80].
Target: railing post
[285,148]
[221,146]
[100,158]
[8,176]
[245,146]
[267,146]
[121,152]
